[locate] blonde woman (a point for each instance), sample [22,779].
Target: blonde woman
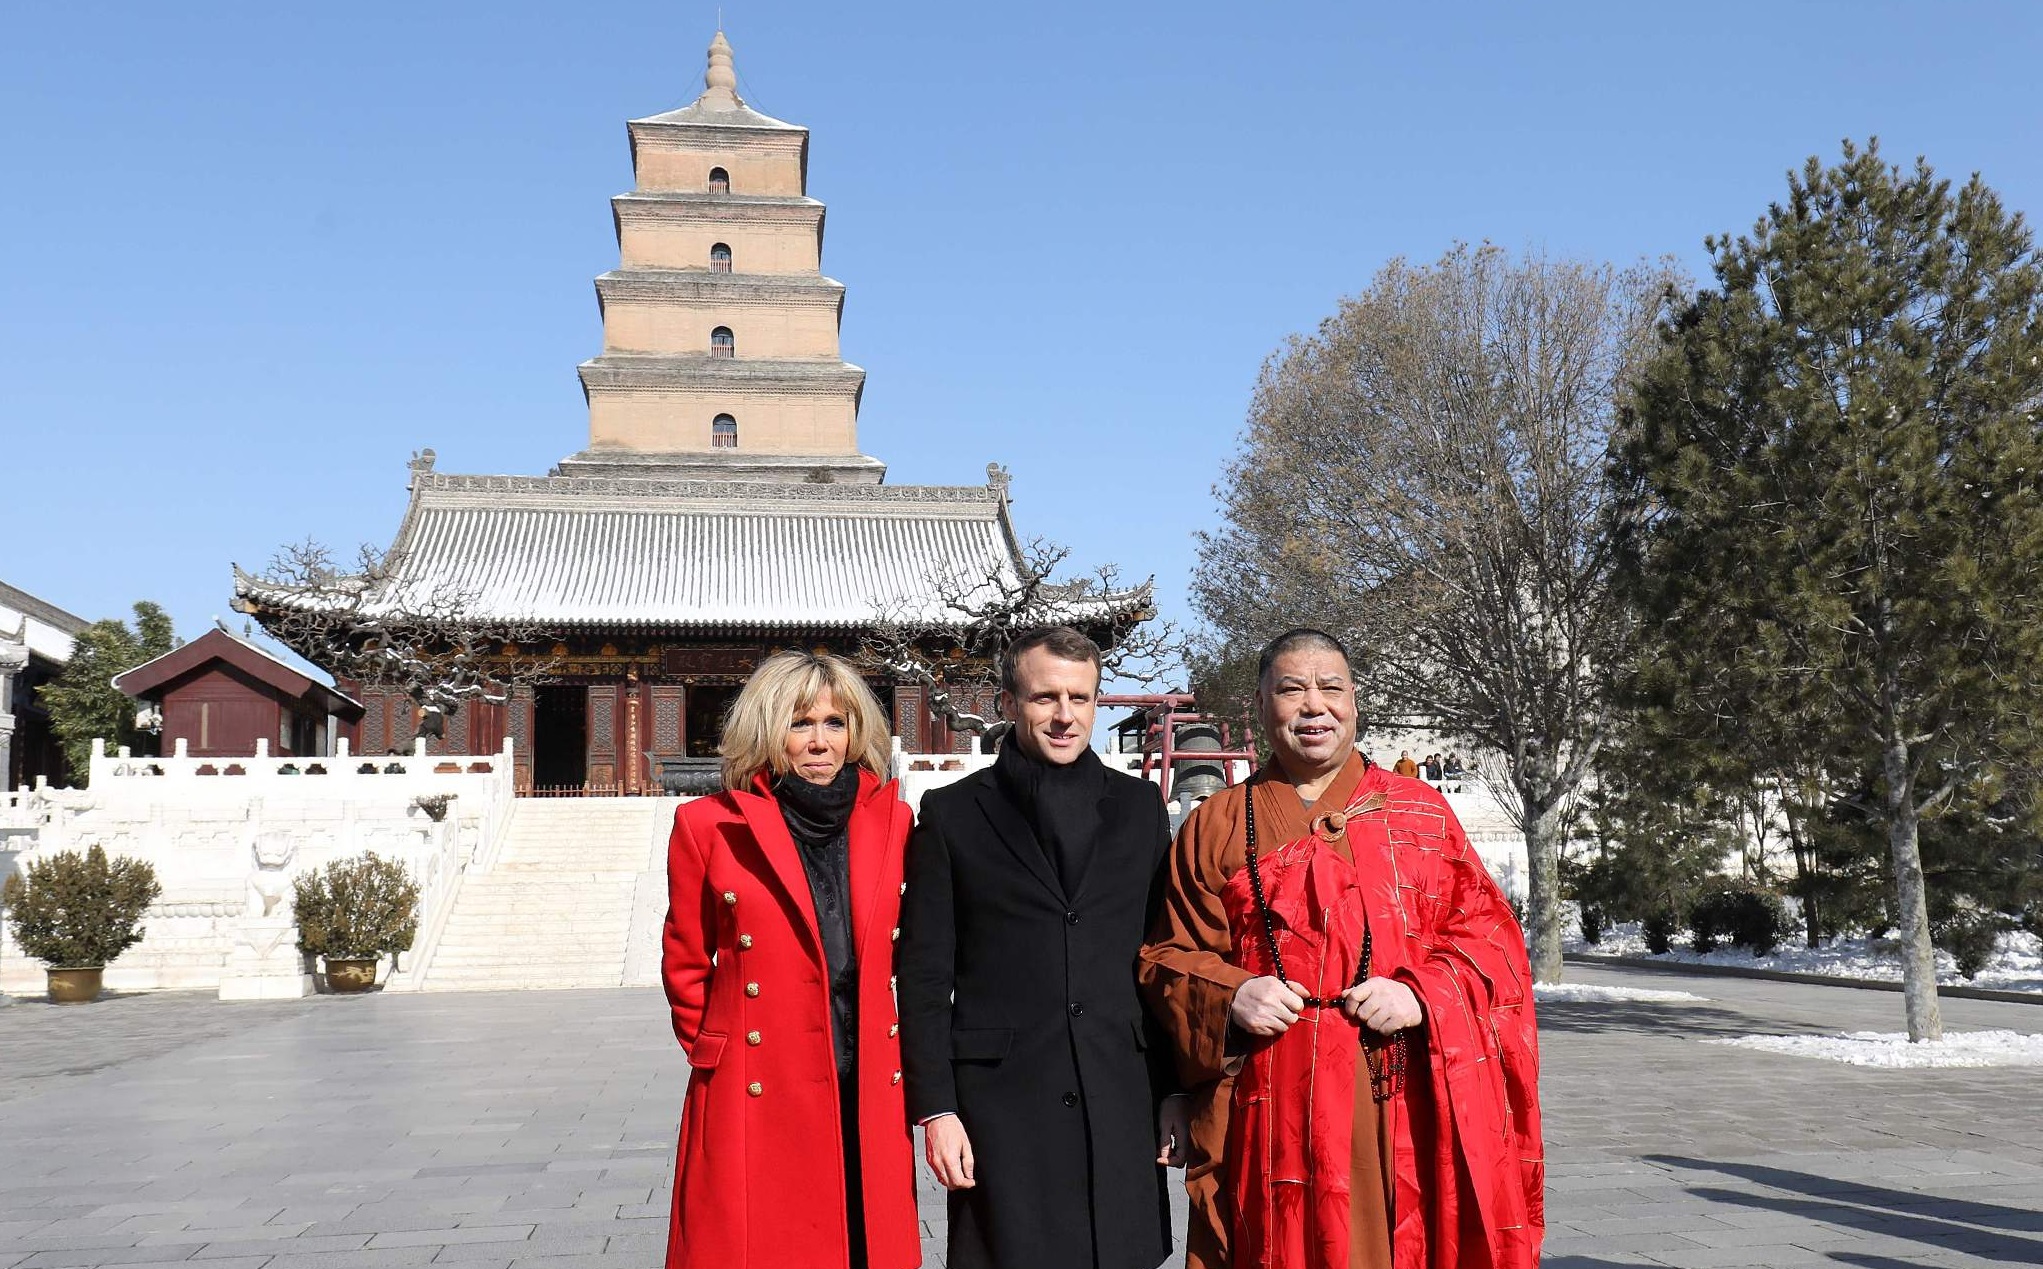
[784,896]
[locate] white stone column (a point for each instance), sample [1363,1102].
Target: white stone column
[13,659]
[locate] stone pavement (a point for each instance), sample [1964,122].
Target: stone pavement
[536,1129]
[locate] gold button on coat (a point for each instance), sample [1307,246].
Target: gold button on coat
[751,1037]
[897,1077]
[745,941]
[897,934]
[893,1031]
[751,989]
[731,897]
[755,1088]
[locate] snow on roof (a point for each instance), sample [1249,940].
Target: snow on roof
[583,552]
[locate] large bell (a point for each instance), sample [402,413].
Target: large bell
[1193,780]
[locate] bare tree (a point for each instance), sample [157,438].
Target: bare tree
[949,639]
[371,626]
[1425,475]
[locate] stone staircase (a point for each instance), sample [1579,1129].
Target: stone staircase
[575,900]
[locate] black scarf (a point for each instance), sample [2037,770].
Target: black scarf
[818,817]
[1060,801]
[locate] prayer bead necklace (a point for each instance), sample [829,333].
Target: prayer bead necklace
[1385,1056]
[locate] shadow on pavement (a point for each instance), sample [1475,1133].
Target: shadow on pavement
[1652,1018]
[1987,1230]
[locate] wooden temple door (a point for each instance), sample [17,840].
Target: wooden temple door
[604,718]
[665,703]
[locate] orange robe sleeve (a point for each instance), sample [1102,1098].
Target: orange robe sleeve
[1184,972]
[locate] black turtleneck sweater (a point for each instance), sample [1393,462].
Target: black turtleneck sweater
[818,816]
[1060,801]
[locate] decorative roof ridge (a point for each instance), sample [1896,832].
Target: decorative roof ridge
[757,493]
[707,199]
[759,281]
[753,367]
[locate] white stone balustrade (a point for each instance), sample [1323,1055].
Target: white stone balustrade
[227,837]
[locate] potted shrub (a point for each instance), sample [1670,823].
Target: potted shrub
[76,912]
[353,913]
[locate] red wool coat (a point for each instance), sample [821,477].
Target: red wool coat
[761,1153]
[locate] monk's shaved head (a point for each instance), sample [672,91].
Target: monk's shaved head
[1297,639]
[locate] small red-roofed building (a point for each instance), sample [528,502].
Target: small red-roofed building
[220,694]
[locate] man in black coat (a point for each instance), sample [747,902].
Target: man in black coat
[1030,1062]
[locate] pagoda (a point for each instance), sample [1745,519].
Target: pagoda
[721,509]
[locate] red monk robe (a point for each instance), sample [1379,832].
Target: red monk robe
[1300,1168]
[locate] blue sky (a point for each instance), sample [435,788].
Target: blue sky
[253,255]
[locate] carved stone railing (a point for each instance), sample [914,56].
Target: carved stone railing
[228,836]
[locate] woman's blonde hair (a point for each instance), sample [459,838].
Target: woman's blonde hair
[783,688]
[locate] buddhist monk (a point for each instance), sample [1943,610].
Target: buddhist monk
[1354,1012]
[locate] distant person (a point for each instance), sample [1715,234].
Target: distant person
[784,891]
[1404,765]
[1433,768]
[1031,1064]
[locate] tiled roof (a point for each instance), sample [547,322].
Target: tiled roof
[636,553]
[221,644]
[700,113]
[46,629]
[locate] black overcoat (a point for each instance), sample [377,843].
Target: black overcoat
[1019,1011]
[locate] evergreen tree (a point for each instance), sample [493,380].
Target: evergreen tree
[1831,486]
[84,704]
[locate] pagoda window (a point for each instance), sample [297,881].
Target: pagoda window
[722,343]
[723,432]
[719,181]
[720,258]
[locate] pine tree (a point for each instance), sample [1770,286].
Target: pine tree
[1832,482]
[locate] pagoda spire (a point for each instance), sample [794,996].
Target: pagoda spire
[720,81]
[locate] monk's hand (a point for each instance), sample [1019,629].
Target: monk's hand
[949,1152]
[1265,1006]
[1384,1005]
[1174,1131]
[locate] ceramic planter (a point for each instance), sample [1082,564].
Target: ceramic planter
[347,974]
[75,986]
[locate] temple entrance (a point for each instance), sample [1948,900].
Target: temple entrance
[560,737]
[706,706]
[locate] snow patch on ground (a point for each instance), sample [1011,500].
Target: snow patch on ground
[1596,993]
[1892,1049]
[2017,964]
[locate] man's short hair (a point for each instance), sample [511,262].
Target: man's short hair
[1061,642]
[1296,639]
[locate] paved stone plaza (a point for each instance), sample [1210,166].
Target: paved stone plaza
[536,1129]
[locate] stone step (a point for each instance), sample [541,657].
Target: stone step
[508,916]
[535,878]
[502,932]
[600,956]
[524,978]
[558,908]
